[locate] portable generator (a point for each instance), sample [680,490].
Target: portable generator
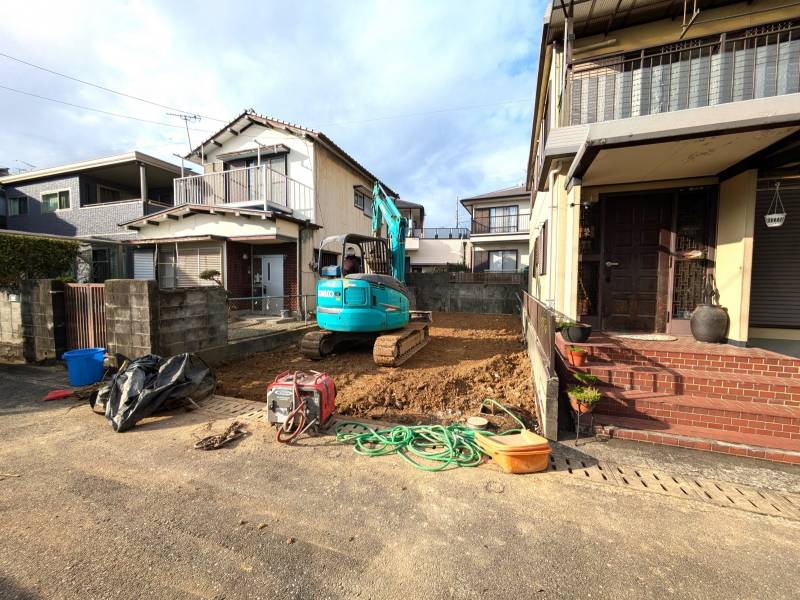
[298,402]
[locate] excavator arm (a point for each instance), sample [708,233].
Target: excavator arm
[384,209]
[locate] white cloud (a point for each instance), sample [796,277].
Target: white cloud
[336,66]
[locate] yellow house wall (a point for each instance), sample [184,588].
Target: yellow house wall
[734,254]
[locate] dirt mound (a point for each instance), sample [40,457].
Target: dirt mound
[469,358]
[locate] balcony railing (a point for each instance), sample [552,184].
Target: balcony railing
[258,185]
[439,233]
[755,63]
[502,224]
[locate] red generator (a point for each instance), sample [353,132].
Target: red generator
[299,402]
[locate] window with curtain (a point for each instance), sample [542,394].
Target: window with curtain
[17,206]
[503,219]
[53,201]
[503,260]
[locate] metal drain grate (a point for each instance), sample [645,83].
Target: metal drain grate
[226,407]
[726,494]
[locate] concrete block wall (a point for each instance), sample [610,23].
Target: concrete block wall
[43,319]
[141,319]
[131,308]
[191,319]
[436,292]
[11,338]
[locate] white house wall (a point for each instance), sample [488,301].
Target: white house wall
[218,225]
[300,162]
[439,252]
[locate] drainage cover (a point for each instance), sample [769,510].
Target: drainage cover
[726,494]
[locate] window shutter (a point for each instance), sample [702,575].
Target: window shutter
[543,250]
[143,264]
[194,259]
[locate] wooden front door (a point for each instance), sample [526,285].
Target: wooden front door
[635,264]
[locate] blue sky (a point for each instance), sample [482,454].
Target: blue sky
[382,79]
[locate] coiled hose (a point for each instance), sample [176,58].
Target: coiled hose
[445,446]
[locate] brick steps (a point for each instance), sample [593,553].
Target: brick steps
[697,382]
[702,438]
[718,358]
[742,401]
[710,413]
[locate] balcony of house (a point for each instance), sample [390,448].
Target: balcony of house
[416,236]
[506,223]
[758,62]
[250,187]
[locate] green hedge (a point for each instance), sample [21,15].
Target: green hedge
[29,257]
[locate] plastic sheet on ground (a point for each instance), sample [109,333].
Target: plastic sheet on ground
[152,383]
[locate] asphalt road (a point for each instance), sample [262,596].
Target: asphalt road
[94,514]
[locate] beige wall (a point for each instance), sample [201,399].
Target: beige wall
[734,254]
[440,252]
[220,225]
[709,22]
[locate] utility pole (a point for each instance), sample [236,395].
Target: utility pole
[186,118]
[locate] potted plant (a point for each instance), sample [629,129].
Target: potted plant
[583,398]
[574,332]
[709,321]
[577,356]
[586,378]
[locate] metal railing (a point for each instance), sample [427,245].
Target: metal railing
[542,320]
[756,63]
[439,233]
[518,223]
[248,185]
[254,306]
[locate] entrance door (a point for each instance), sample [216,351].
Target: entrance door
[272,283]
[635,261]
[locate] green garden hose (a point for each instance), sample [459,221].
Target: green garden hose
[444,446]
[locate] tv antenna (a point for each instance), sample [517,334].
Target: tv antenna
[27,164]
[186,117]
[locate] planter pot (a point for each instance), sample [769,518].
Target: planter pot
[709,323]
[577,359]
[580,407]
[577,333]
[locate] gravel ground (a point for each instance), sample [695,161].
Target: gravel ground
[94,514]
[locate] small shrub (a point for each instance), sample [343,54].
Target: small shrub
[31,257]
[583,394]
[586,378]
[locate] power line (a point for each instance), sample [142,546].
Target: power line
[97,110]
[107,89]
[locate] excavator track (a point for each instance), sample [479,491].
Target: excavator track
[395,348]
[317,344]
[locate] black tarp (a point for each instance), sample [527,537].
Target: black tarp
[150,383]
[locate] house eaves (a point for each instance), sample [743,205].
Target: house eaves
[97,163]
[184,210]
[233,129]
[504,194]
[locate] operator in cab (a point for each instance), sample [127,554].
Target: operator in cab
[351,263]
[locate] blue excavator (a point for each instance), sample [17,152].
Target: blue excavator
[363,298]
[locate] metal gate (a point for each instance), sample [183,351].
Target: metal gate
[85,315]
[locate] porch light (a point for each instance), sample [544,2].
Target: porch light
[776,214]
[244,256]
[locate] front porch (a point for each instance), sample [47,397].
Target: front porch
[716,397]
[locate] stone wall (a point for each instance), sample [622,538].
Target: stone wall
[436,292]
[141,319]
[11,338]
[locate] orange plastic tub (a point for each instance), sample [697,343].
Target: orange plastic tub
[524,452]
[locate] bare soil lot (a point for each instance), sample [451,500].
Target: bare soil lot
[468,359]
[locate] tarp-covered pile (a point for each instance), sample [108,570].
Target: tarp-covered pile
[151,383]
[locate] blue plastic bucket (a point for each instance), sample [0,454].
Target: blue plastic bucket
[84,366]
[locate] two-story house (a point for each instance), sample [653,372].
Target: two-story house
[656,149]
[88,200]
[499,229]
[269,193]
[665,174]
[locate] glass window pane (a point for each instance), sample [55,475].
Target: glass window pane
[509,260]
[63,199]
[49,202]
[496,261]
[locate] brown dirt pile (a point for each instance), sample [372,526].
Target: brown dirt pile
[469,358]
